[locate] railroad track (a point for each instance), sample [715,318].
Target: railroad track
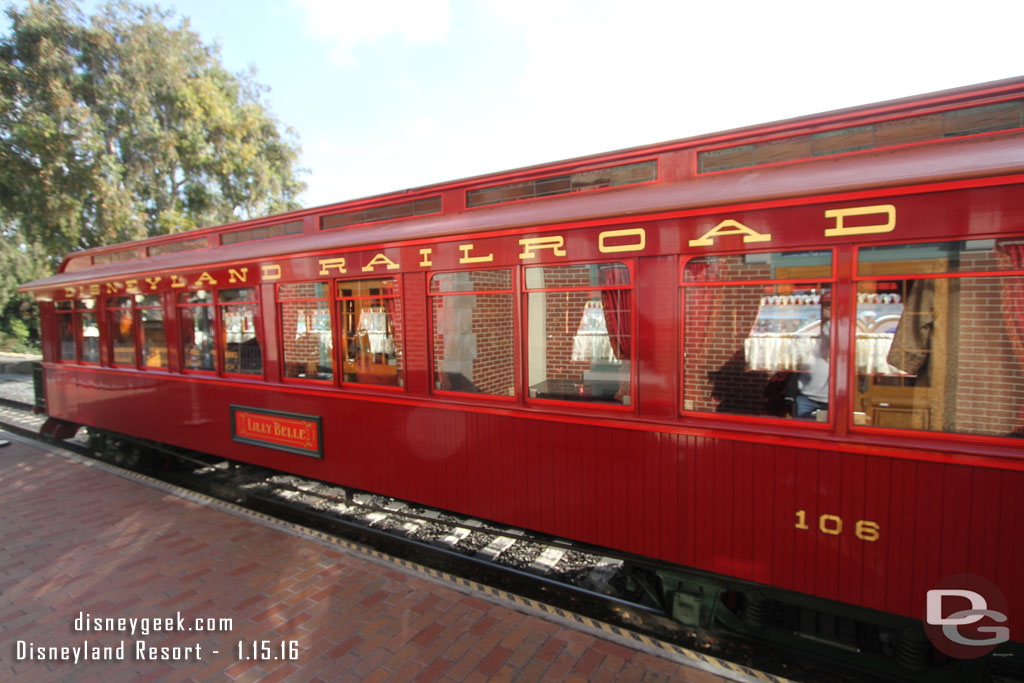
[563,574]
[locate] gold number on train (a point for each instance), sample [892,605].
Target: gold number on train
[833,526]
[867,531]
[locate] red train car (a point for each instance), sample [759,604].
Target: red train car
[784,364]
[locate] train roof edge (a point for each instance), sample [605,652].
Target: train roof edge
[502,217]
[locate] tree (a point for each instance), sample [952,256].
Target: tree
[19,322]
[127,126]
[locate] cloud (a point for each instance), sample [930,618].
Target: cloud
[650,70]
[346,24]
[555,79]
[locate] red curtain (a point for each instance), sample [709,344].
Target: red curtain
[617,314]
[1013,314]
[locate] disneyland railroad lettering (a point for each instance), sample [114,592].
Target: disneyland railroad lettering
[838,223]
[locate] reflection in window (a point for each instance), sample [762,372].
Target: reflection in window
[195,311]
[65,331]
[89,328]
[306,330]
[612,176]
[262,233]
[242,354]
[152,337]
[754,345]
[385,212]
[472,332]
[941,353]
[371,331]
[120,323]
[580,340]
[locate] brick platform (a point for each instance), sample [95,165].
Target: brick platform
[78,540]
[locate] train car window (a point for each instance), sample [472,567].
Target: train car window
[547,186]
[89,330]
[65,331]
[175,247]
[242,352]
[262,233]
[940,337]
[387,212]
[370,312]
[757,334]
[306,336]
[152,337]
[579,331]
[472,332]
[195,313]
[121,330]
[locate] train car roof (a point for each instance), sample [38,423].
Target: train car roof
[949,160]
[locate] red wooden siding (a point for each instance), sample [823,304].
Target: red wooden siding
[724,506]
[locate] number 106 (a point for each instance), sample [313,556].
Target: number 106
[833,526]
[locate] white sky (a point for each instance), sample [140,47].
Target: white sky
[390,94]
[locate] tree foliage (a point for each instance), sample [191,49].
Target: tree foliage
[19,322]
[125,125]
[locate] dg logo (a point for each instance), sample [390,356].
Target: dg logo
[966,616]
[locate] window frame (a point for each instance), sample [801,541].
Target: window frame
[137,309]
[222,343]
[836,287]
[109,312]
[508,183]
[336,324]
[68,313]
[282,359]
[178,319]
[524,329]
[97,310]
[921,435]
[516,349]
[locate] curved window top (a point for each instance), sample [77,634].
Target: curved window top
[468,281]
[586,276]
[756,267]
[363,289]
[243,294]
[200,296]
[303,290]
[965,256]
[119,302]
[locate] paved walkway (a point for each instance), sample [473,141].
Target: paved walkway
[79,544]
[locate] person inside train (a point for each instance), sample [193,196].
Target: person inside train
[813,384]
